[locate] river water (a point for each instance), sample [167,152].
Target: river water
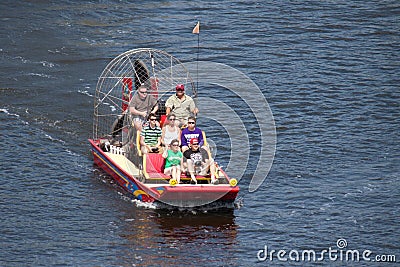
[328,69]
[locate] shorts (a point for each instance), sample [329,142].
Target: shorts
[139,119]
[168,170]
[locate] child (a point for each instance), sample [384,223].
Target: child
[173,160]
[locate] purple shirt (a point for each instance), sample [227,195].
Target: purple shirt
[187,135]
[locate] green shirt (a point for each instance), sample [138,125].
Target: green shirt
[173,158]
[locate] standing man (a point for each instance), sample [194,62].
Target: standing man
[181,105]
[141,105]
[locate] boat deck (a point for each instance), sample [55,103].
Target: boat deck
[130,168]
[124,163]
[189,185]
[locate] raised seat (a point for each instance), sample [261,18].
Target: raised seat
[153,166]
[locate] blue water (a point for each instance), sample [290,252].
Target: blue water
[328,69]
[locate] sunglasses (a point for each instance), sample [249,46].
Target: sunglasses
[179,90]
[191,122]
[143,92]
[171,119]
[194,144]
[153,119]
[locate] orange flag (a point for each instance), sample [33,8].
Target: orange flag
[196,28]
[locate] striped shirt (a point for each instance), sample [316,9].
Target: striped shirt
[151,135]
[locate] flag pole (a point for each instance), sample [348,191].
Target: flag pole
[196,30]
[198,52]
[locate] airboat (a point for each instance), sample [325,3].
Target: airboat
[115,142]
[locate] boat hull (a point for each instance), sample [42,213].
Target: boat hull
[180,195]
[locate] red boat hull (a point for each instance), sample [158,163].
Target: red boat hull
[182,196]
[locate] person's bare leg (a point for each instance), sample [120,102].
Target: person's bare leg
[191,170]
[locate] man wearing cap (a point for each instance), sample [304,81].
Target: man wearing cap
[181,105]
[197,158]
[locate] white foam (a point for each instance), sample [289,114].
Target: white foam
[22,59]
[39,74]
[8,113]
[147,205]
[84,92]
[54,139]
[47,64]
[111,106]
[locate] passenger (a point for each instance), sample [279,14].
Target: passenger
[141,105]
[173,160]
[181,105]
[170,131]
[189,133]
[196,158]
[150,136]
